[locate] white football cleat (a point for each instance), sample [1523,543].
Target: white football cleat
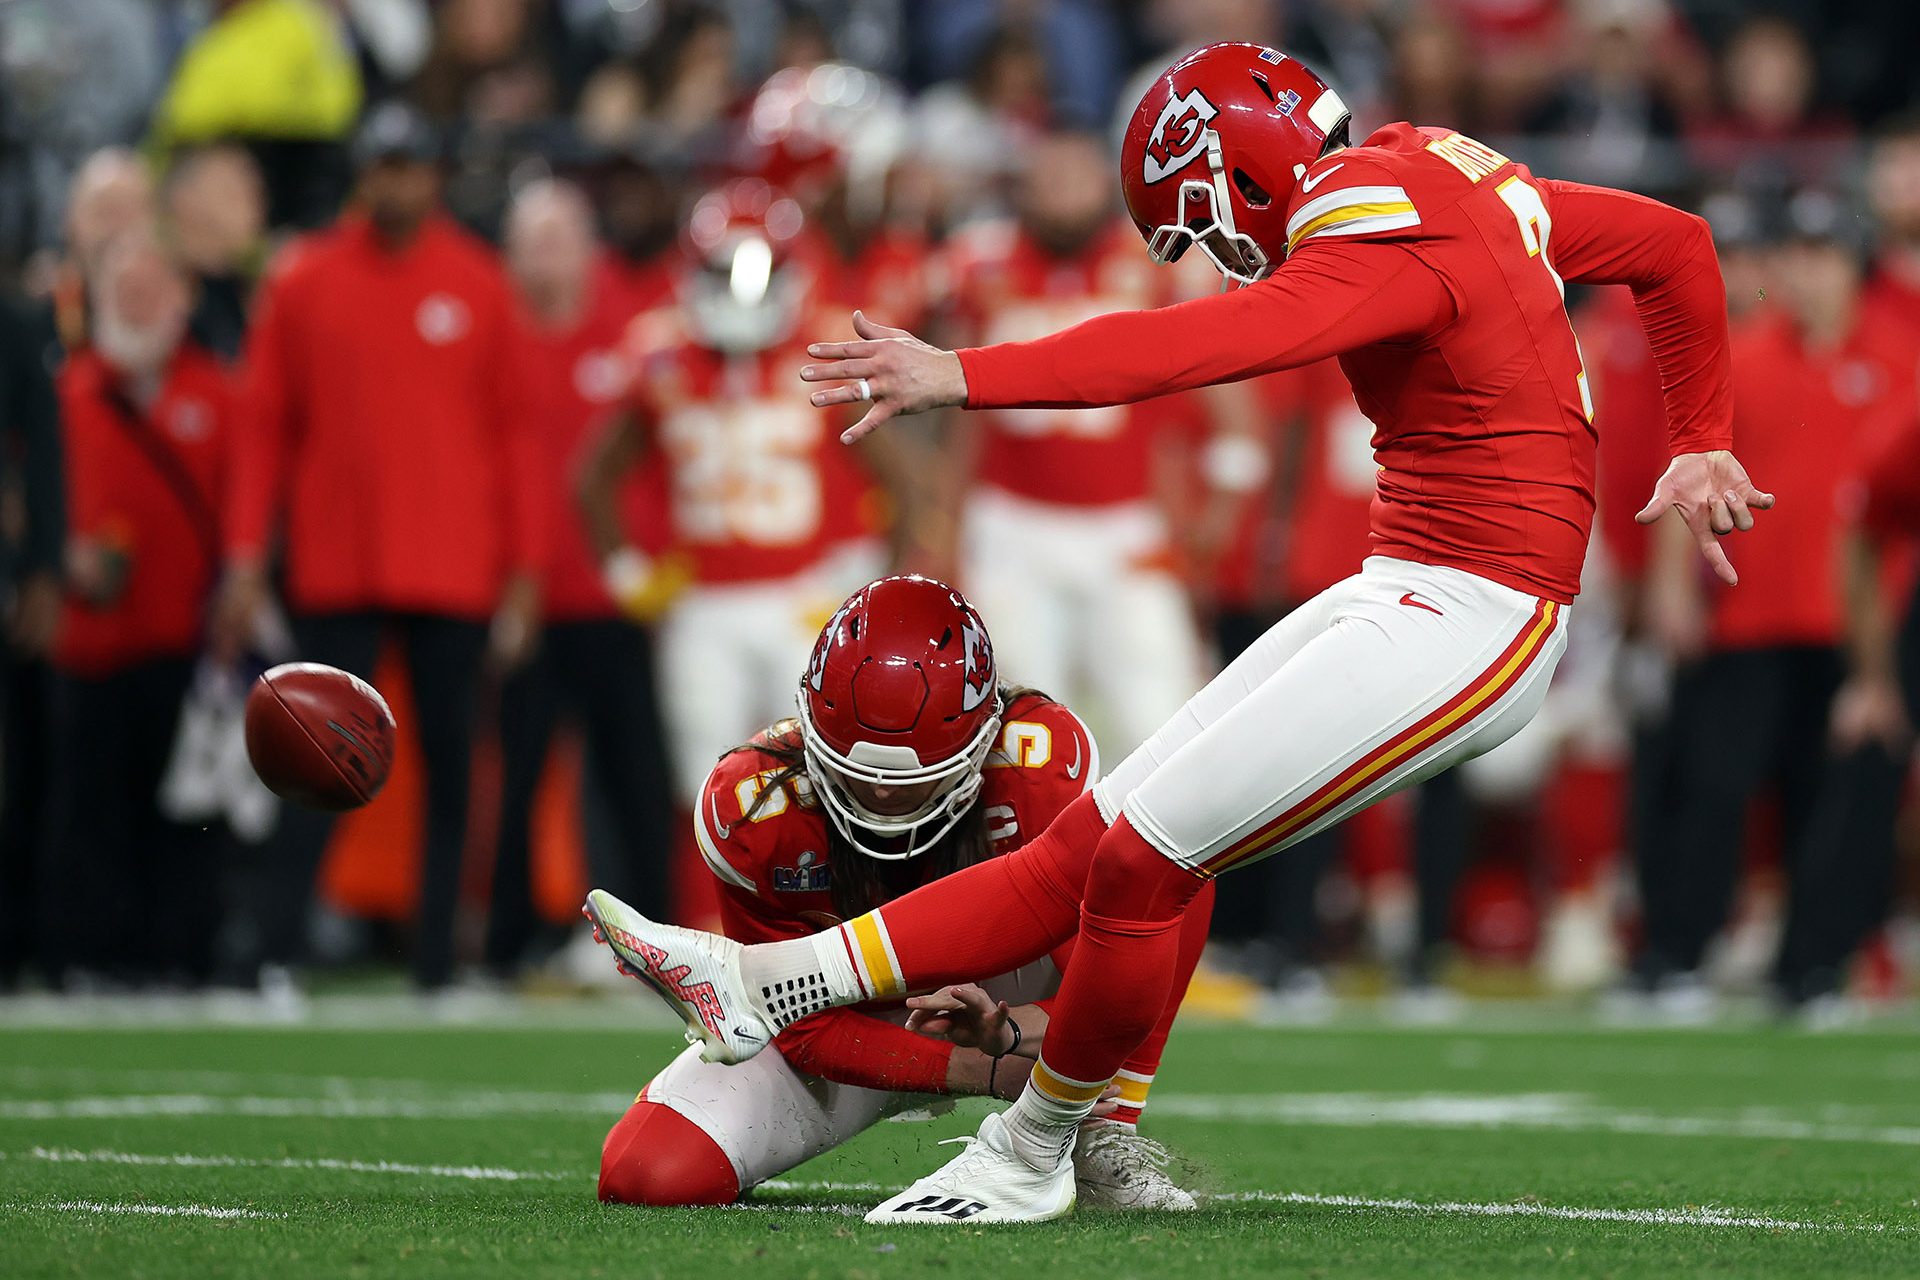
[1116,1168]
[985,1183]
[697,974]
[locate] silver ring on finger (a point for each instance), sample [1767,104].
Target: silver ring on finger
[862,389]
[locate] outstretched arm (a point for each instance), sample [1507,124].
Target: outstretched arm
[1665,255]
[1331,298]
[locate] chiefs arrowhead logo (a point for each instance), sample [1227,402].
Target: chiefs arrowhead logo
[979,670]
[817,668]
[1178,134]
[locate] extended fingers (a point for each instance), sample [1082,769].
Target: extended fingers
[1716,555]
[842,350]
[846,393]
[878,414]
[1758,499]
[868,329]
[1655,508]
[839,370]
[1737,508]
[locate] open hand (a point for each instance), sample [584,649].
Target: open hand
[965,1015]
[1713,495]
[895,370]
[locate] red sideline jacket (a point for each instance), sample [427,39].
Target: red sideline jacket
[121,495]
[382,440]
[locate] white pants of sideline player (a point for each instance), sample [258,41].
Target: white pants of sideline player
[730,660]
[1082,607]
[1376,684]
[769,1118]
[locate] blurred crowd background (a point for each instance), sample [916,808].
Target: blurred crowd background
[453,342]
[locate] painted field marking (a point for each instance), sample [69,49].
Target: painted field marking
[1548,1112]
[1704,1216]
[469,1172]
[150,1210]
[1538,1111]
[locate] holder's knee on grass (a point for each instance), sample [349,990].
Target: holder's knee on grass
[656,1156]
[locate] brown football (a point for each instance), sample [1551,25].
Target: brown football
[318,736]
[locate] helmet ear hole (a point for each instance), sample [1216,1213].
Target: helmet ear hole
[1250,191]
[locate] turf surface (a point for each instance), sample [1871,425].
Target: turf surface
[1356,1150]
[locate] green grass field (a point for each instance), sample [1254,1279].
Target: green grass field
[1517,1148]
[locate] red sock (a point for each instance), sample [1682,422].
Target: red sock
[1137,1072]
[654,1155]
[1014,908]
[1119,986]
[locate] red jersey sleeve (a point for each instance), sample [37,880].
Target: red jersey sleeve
[850,1047]
[1665,255]
[1333,296]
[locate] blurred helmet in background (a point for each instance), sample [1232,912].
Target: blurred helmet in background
[1215,149]
[898,709]
[745,285]
[812,127]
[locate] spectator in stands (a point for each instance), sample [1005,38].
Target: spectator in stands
[592,665]
[279,76]
[1613,108]
[1812,383]
[148,416]
[75,76]
[1771,134]
[982,125]
[486,65]
[384,451]
[216,215]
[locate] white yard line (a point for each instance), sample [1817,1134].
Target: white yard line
[150,1210]
[453,1106]
[470,1172]
[1543,1112]
[1537,1111]
[1685,1217]
[1691,1217]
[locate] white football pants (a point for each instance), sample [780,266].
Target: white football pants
[1081,605]
[1376,684]
[731,658]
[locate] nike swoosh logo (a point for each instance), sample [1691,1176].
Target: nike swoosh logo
[713,803]
[1073,772]
[746,1033]
[1306,187]
[1412,602]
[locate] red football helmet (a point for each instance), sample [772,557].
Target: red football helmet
[1215,149]
[811,126]
[898,710]
[746,283]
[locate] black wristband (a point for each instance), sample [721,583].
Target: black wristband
[1017,1037]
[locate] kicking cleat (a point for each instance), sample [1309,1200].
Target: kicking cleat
[697,974]
[1118,1169]
[985,1183]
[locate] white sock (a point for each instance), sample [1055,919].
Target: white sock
[1045,1119]
[801,976]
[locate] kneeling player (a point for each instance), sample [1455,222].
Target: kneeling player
[907,761]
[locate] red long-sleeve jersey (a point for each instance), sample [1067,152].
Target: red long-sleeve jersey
[381,441]
[775,870]
[1434,268]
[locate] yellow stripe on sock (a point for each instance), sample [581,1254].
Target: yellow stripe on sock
[1133,1089]
[882,979]
[1059,1089]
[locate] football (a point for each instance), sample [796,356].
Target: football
[319,736]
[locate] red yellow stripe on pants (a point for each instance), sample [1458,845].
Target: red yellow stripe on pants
[1481,692]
